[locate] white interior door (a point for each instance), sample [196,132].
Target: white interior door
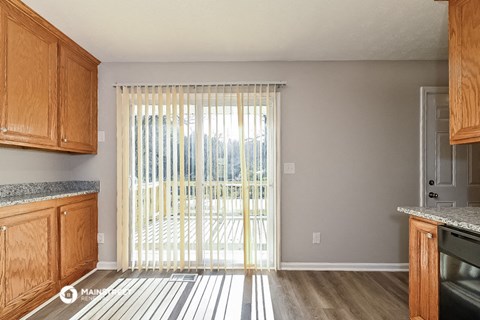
[451,174]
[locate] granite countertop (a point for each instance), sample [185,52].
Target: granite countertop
[13,194]
[466,218]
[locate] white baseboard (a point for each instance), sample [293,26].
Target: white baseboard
[31,313]
[322,266]
[107,265]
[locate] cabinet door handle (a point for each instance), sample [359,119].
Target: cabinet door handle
[65,213]
[3,130]
[3,228]
[65,140]
[429,235]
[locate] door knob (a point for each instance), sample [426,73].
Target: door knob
[431,182]
[433,195]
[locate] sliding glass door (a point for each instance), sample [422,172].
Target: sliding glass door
[202,171]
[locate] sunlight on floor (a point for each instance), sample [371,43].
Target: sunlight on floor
[262,307]
[223,293]
[209,297]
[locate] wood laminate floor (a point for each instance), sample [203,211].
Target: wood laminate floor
[236,295]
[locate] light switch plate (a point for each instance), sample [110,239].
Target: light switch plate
[289,168]
[316,238]
[101,136]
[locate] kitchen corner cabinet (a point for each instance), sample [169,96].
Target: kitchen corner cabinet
[28,260]
[42,249]
[78,240]
[464,64]
[48,86]
[424,270]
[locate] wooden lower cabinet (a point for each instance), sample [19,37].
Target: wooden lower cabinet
[41,250]
[28,260]
[424,270]
[78,240]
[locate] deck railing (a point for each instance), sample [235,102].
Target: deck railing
[218,195]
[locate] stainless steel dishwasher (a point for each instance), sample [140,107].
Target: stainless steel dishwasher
[459,274]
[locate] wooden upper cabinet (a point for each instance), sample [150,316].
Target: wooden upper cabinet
[48,86]
[78,238]
[28,245]
[28,90]
[424,270]
[464,60]
[78,102]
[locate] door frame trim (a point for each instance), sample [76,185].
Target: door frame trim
[424,91]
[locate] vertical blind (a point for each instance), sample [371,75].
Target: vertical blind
[197,180]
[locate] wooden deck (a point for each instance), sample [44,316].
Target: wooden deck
[227,238]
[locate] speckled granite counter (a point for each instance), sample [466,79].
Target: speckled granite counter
[466,218]
[13,194]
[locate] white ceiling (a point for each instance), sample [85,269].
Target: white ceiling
[252,30]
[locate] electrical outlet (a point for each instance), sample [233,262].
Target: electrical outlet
[316,238]
[101,238]
[289,168]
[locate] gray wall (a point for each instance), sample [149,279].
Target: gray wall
[28,165]
[351,128]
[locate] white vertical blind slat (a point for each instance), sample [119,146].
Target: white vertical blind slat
[147,205]
[271,245]
[262,184]
[161,191]
[169,178]
[126,178]
[140,197]
[255,185]
[232,188]
[189,175]
[122,182]
[133,191]
[119,97]
[217,187]
[225,162]
[181,120]
[243,169]
[175,225]
[154,176]
[210,184]
[269,165]
[199,178]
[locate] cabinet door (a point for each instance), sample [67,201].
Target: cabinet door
[464,51]
[78,237]
[28,244]
[78,95]
[28,85]
[424,264]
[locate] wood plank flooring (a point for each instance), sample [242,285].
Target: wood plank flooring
[236,295]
